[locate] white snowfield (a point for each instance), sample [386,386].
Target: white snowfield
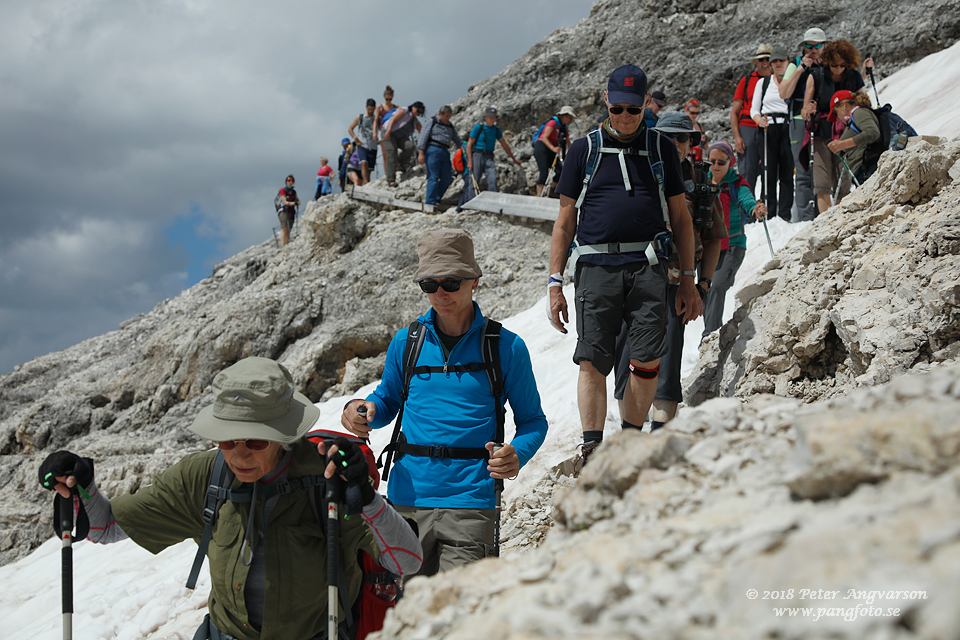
[123,592]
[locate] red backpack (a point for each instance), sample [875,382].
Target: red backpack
[380,589]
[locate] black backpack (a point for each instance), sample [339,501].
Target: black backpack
[894,132]
[490,350]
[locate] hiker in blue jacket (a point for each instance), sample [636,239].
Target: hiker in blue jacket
[449,420]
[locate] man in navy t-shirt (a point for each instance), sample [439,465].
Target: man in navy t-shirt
[621,269]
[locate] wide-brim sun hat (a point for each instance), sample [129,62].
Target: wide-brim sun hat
[567,110]
[255,399]
[446,253]
[678,122]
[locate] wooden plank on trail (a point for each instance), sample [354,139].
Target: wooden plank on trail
[381,196]
[512,204]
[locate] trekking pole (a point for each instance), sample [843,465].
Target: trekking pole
[766,174]
[546,188]
[498,488]
[66,570]
[853,178]
[873,82]
[333,553]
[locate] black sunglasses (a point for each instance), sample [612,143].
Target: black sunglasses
[680,137]
[617,110]
[253,445]
[448,285]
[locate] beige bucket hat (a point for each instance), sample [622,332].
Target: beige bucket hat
[446,253]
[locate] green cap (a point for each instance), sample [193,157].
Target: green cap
[255,399]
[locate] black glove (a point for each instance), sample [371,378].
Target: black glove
[352,464]
[65,463]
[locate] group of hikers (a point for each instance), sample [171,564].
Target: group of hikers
[656,236]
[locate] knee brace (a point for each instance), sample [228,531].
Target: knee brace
[646,374]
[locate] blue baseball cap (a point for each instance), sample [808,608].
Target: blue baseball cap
[345,141]
[627,84]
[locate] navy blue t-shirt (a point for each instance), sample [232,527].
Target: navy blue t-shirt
[609,212]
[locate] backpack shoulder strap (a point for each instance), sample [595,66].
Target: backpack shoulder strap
[221,477]
[416,333]
[594,141]
[656,167]
[763,91]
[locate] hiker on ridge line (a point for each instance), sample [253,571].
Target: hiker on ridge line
[480,147]
[288,212]
[550,147]
[366,140]
[257,422]
[433,147]
[446,398]
[396,133]
[626,211]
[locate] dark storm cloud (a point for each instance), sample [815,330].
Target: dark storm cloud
[121,120]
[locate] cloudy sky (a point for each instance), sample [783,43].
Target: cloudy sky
[142,141]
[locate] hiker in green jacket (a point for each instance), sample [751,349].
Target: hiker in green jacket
[268,570]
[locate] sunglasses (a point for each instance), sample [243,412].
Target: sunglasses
[617,110]
[813,46]
[680,137]
[721,163]
[253,445]
[694,113]
[448,285]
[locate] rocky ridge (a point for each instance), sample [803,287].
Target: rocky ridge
[869,291]
[739,508]
[692,48]
[326,307]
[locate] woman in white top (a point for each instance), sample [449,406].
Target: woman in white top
[770,112]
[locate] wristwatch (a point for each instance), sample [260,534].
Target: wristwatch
[708,281]
[692,273]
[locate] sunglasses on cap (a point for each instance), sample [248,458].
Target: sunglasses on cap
[448,285]
[680,137]
[617,110]
[819,45]
[721,163]
[253,445]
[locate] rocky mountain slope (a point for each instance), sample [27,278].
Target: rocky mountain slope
[694,48]
[828,510]
[333,297]
[327,305]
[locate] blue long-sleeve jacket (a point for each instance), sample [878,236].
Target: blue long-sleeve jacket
[456,410]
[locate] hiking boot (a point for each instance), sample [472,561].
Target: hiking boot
[586,450]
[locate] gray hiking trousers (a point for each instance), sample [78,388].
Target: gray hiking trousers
[804,203]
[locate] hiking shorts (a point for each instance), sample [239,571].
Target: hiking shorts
[286,219]
[827,169]
[608,296]
[452,537]
[369,156]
